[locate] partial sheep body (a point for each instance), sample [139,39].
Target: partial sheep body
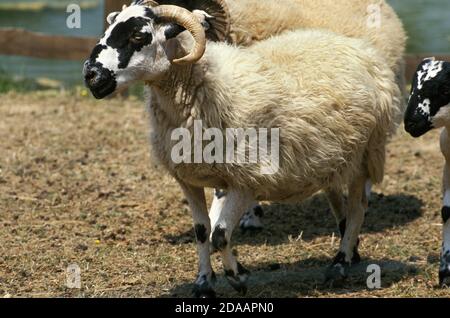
[293,82]
[429,108]
[256,20]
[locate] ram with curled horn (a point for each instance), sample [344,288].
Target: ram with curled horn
[333,122]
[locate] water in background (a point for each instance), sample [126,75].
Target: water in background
[49,16]
[427,23]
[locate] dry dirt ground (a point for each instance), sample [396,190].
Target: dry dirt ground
[77,186]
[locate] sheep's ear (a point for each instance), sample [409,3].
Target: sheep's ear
[203,17]
[428,60]
[217,17]
[112,17]
[447,72]
[172,30]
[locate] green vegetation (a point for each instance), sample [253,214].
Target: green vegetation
[9,83]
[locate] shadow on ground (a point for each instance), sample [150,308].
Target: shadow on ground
[313,218]
[305,279]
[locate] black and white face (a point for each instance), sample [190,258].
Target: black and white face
[132,49]
[429,102]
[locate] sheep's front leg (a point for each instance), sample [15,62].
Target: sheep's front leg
[225,216]
[444,270]
[196,198]
[348,254]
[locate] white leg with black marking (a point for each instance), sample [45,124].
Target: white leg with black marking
[216,205]
[204,283]
[235,203]
[348,253]
[444,269]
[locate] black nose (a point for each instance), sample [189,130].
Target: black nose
[417,126]
[90,75]
[99,80]
[410,125]
[93,75]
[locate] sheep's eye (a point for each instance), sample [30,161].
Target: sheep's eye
[137,37]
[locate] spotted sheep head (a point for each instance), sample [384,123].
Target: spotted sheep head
[142,43]
[429,102]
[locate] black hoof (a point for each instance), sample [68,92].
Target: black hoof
[239,281]
[337,273]
[444,278]
[444,271]
[203,288]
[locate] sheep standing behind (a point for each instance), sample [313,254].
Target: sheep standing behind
[245,22]
[428,108]
[374,21]
[332,98]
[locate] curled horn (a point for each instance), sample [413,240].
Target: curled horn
[186,19]
[149,3]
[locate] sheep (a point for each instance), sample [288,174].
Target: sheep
[429,108]
[351,18]
[245,22]
[332,99]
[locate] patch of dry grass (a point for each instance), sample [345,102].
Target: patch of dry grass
[77,186]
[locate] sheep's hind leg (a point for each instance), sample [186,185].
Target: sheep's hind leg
[348,254]
[337,204]
[251,220]
[444,269]
[203,286]
[338,207]
[233,207]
